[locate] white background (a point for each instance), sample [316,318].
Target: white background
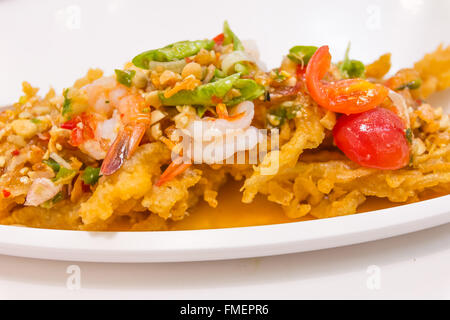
[54,42]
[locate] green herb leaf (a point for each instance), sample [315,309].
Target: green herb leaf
[279,115]
[241,68]
[64,176]
[67,104]
[230,37]
[202,95]
[279,76]
[172,52]
[301,54]
[125,76]
[50,203]
[201,110]
[218,74]
[249,90]
[207,94]
[351,68]
[52,164]
[35,120]
[91,175]
[409,135]
[58,197]
[413,85]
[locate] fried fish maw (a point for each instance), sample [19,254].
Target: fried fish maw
[133,181]
[379,68]
[309,134]
[434,70]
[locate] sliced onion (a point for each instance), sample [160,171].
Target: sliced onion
[157,116]
[400,105]
[60,160]
[230,59]
[252,49]
[41,190]
[175,66]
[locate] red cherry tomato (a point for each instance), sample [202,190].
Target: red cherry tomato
[344,96]
[374,139]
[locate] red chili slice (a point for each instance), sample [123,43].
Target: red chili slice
[345,96]
[219,39]
[6,193]
[83,132]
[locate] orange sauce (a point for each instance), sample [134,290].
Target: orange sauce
[232,213]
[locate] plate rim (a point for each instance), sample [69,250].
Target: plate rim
[221,244]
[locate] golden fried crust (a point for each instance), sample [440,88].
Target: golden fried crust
[132,181]
[309,134]
[434,70]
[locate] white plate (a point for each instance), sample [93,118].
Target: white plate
[54,42]
[218,244]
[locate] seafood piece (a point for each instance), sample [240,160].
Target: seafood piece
[115,105]
[211,140]
[41,190]
[225,136]
[134,122]
[103,134]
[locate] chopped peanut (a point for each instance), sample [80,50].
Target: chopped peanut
[204,57]
[152,98]
[24,128]
[169,78]
[192,68]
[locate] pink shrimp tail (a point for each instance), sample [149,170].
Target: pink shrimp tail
[136,136]
[122,148]
[117,153]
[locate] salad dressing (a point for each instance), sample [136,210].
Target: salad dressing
[232,213]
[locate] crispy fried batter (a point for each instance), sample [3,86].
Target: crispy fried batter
[434,70]
[309,134]
[133,181]
[325,185]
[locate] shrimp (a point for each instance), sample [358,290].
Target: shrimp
[219,139]
[121,106]
[93,135]
[240,119]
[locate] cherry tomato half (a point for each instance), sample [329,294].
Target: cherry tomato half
[344,96]
[374,139]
